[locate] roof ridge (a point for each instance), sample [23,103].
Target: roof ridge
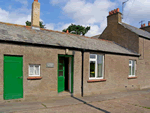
[134,27]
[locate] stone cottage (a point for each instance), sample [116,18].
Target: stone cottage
[37,63]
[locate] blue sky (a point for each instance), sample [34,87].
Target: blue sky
[58,14]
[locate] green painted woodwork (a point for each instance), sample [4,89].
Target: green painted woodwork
[61,80]
[61,74]
[13,77]
[72,60]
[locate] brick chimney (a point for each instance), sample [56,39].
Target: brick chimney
[146,28]
[35,14]
[114,17]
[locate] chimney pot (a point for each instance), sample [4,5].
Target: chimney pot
[148,23]
[117,9]
[109,13]
[36,0]
[143,25]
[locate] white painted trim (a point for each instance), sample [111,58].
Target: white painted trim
[34,69]
[131,68]
[95,60]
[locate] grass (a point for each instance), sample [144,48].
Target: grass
[147,107]
[140,106]
[44,105]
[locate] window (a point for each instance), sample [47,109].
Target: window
[96,66]
[132,68]
[34,70]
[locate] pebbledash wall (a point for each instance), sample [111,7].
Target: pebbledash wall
[47,86]
[144,63]
[116,71]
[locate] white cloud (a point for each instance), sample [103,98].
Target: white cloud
[135,11]
[24,2]
[58,27]
[17,15]
[88,13]
[50,26]
[85,13]
[97,29]
[54,2]
[13,17]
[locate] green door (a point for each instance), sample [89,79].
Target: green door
[13,77]
[61,74]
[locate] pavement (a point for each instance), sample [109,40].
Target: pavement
[122,102]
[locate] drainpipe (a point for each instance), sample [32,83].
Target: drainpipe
[82,72]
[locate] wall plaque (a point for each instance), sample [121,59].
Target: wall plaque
[50,65]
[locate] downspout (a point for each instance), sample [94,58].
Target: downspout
[82,72]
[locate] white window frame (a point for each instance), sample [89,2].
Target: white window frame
[34,69]
[95,60]
[131,68]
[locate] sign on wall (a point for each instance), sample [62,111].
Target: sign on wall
[50,65]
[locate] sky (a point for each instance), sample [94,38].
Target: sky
[59,14]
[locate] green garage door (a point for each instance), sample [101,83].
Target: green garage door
[13,77]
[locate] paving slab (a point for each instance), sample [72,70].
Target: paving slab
[124,101]
[6,108]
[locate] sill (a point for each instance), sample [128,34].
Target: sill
[132,77]
[34,78]
[99,80]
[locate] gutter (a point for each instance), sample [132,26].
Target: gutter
[64,47]
[144,37]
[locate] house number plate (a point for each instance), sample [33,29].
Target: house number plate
[50,65]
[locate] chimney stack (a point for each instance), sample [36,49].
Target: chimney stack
[114,17]
[148,23]
[146,28]
[35,19]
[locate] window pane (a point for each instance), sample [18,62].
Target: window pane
[37,68]
[92,56]
[61,60]
[60,67]
[60,73]
[31,71]
[99,59]
[92,68]
[129,70]
[130,61]
[99,65]
[133,67]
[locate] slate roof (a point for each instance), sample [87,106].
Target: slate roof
[138,31]
[19,33]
